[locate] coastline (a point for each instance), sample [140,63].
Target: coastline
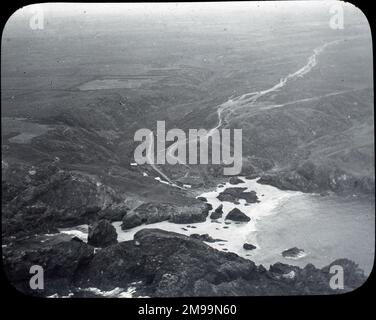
[235,234]
[266,214]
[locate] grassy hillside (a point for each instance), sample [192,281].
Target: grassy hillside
[74,94]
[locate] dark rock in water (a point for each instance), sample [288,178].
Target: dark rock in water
[228,198]
[235,194]
[237,215]
[248,246]
[152,212]
[215,215]
[191,214]
[235,180]
[219,209]
[202,199]
[102,234]
[217,212]
[293,253]
[204,237]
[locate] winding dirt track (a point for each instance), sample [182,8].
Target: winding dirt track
[226,109]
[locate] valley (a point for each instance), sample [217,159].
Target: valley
[74,94]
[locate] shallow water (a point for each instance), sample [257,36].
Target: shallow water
[326,228]
[235,234]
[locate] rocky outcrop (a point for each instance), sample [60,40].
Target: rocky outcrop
[293,253]
[217,213]
[61,257]
[309,177]
[102,234]
[235,180]
[205,237]
[164,264]
[237,215]
[235,194]
[114,213]
[170,264]
[147,213]
[248,246]
[191,214]
[152,212]
[51,198]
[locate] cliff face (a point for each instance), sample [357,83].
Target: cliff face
[40,199]
[313,146]
[162,264]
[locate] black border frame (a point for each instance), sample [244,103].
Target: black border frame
[16,303]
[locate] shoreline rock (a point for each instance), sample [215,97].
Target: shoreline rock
[217,212]
[309,178]
[237,215]
[293,253]
[152,212]
[164,264]
[236,193]
[248,246]
[235,180]
[102,234]
[205,237]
